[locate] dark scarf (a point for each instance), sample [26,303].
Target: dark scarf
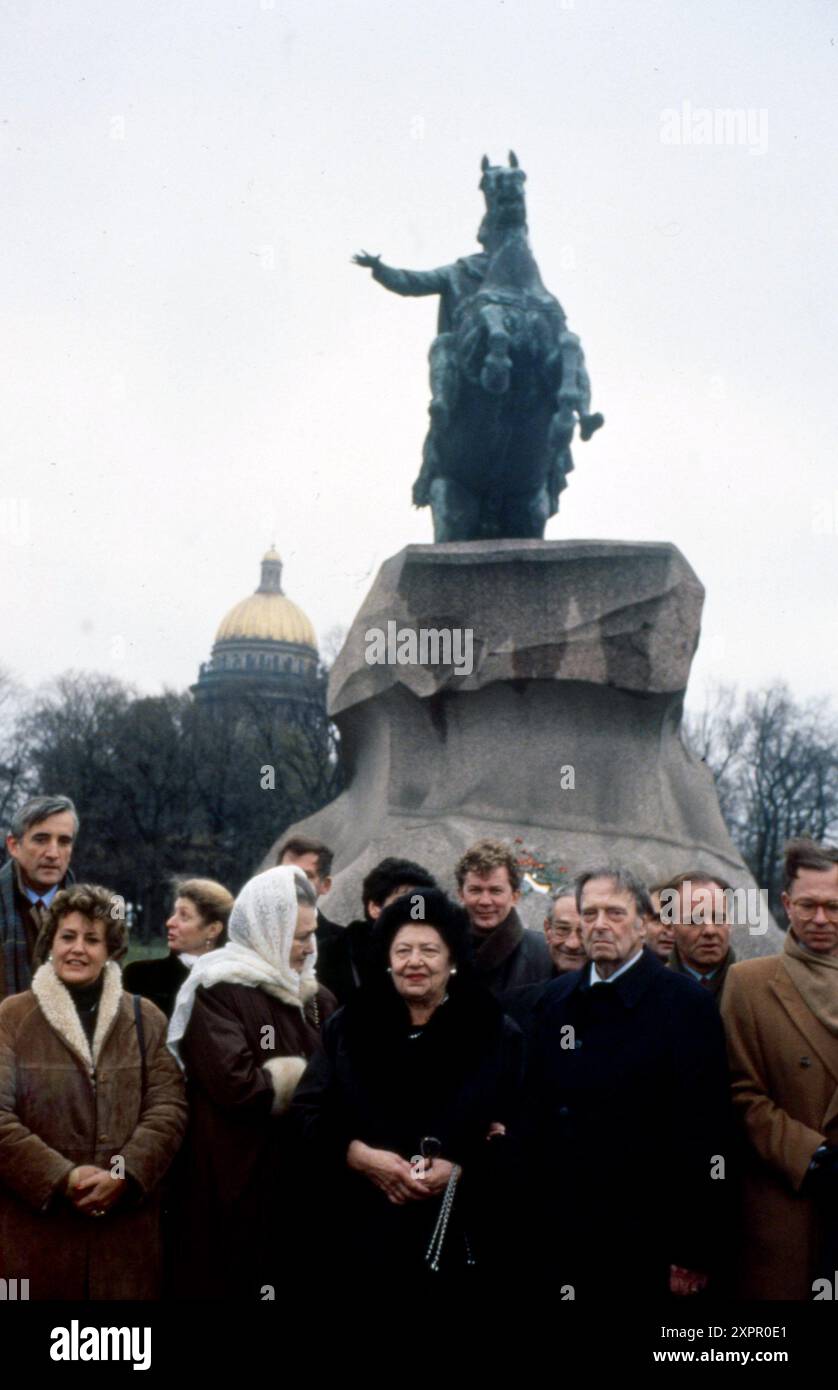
[86,999]
[20,922]
[493,948]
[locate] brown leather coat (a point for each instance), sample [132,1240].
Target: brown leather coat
[784,1068]
[57,1111]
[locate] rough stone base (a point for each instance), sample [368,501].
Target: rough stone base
[564,737]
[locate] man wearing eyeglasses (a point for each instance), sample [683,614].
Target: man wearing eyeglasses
[781,1017]
[562,932]
[627,1090]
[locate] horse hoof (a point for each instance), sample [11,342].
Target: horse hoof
[590,424]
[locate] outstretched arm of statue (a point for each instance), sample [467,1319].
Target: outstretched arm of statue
[410,282]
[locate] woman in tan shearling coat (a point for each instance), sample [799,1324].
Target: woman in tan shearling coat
[88,1124]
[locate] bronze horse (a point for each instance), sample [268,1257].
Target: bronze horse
[508,380]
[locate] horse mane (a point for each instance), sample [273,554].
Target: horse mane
[513,265]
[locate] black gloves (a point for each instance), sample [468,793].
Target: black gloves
[821,1180]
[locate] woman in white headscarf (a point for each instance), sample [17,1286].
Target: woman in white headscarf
[245,1022]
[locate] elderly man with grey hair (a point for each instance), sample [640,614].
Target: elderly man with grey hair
[562,932]
[627,1091]
[40,842]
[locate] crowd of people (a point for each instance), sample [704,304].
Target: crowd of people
[433,1092]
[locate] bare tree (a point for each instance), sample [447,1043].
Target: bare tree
[331,645]
[14,782]
[775,762]
[716,733]
[165,786]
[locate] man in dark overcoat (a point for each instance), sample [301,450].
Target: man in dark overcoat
[627,1093]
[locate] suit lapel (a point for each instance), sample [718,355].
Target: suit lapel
[805,1022]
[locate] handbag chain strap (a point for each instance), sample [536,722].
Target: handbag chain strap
[434,1250]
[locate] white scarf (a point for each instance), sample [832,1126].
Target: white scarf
[261,932]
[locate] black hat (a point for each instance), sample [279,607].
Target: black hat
[428,907]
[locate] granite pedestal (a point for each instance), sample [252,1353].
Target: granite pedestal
[563,736]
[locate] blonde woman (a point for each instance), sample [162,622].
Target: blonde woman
[198,924]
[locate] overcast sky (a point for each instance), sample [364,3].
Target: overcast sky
[193,368]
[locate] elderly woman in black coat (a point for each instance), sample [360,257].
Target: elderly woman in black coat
[404,1108]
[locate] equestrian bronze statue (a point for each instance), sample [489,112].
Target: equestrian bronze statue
[508,380]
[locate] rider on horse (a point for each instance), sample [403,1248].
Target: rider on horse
[503,273]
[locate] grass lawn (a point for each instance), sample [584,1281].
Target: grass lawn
[137,951]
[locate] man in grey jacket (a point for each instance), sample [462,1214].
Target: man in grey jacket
[505,953]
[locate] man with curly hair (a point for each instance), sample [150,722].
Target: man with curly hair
[506,954]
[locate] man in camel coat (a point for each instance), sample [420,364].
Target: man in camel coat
[781,1018]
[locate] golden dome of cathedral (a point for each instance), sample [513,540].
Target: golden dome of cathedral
[267,615]
[265,650]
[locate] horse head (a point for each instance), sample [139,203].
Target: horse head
[503,188]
